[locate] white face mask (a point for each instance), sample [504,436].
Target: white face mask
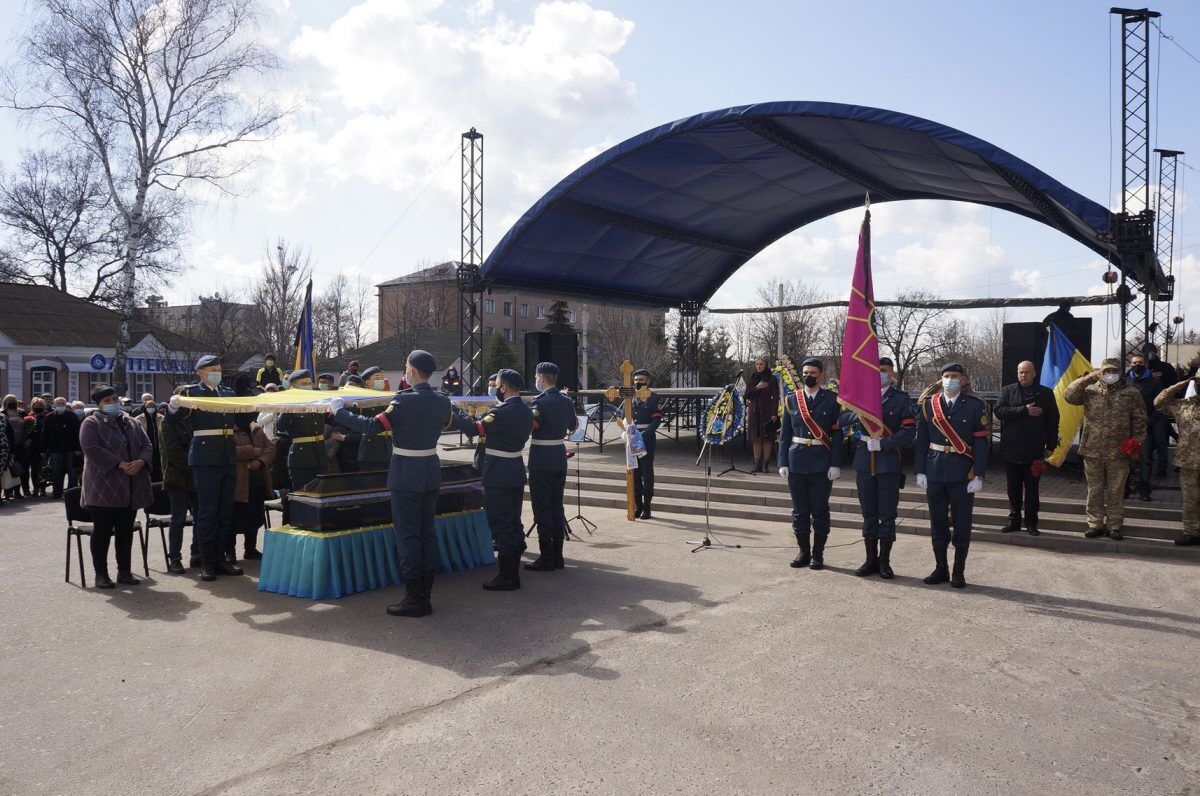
[58,410]
[950,386]
[492,391]
[212,377]
[884,378]
[1110,378]
[79,413]
[323,386]
[376,384]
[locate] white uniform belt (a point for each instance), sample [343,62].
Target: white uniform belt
[547,442]
[641,427]
[807,441]
[944,449]
[213,432]
[396,449]
[503,454]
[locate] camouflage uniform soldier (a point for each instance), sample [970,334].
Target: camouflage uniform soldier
[1186,412]
[1112,413]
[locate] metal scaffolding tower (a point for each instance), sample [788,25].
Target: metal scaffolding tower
[470,285]
[1168,163]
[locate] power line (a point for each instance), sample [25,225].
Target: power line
[1171,39]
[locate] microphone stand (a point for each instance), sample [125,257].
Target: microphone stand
[588,525]
[710,541]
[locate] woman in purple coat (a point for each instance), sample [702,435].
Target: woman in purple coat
[116,482]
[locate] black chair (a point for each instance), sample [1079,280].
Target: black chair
[79,525]
[273,505]
[158,515]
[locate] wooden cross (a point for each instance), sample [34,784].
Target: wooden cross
[627,391]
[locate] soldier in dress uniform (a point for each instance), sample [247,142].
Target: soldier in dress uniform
[375,448]
[553,418]
[810,458]
[213,460]
[305,434]
[327,382]
[415,419]
[505,428]
[951,458]
[647,416]
[879,473]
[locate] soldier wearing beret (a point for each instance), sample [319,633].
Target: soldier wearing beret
[327,382]
[553,418]
[375,448]
[304,433]
[810,458]
[505,429]
[951,458]
[213,460]
[647,416]
[415,419]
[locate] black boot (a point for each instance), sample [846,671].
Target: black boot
[127,579]
[208,563]
[957,579]
[175,567]
[871,565]
[103,581]
[646,508]
[227,567]
[509,576]
[637,505]
[885,561]
[1014,524]
[818,553]
[413,603]
[941,570]
[545,561]
[558,559]
[804,557]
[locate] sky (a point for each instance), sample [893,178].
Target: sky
[365,173]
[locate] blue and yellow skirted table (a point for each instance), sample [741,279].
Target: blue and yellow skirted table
[336,563]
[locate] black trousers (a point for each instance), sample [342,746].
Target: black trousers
[950,499]
[416,539]
[1022,493]
[546,488]
[810,503]
[107,523]
[503,508]
[643,476]
[879,498]
[181,501]
[214,509]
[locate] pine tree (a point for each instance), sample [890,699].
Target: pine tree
[557,320]
[502,355]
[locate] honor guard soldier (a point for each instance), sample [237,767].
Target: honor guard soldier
[951,458]
[305,433]
[415,419]
[553,418]
[505,429]
[810,458]
[212,458]
[647,416]
[375,448]
[327,382]
[878,472]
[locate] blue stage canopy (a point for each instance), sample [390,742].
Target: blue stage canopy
[667,216]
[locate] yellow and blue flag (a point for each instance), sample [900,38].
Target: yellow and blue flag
[1061,365]
[306,358]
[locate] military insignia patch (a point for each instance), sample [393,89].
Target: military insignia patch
[389,409]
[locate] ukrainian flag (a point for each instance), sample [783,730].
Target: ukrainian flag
[1061,365]
[305,355]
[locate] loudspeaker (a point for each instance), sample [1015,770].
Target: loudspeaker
[560,348]
[1027,341]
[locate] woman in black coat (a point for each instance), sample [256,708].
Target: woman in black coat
[1028,414]
[762,413]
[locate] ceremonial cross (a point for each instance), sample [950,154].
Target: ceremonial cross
[627,391]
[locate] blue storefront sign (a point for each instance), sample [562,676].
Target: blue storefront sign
[103,364]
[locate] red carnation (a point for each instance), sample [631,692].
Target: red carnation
[1037,467]
[1131,448]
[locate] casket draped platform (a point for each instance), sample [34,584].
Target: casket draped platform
[336,545]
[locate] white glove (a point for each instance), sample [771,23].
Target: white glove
[873,445]
[975,485]
[922,481]
[783,472]
[336,403]
[173,404]
[834,473]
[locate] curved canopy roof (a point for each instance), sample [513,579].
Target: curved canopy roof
[667,216]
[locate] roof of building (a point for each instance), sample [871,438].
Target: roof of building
[391,353]
[442,272]
[42,315]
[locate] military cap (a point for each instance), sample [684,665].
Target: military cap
[101,392]
[303,373]
[953,366]
[643,372]
[814,363]
[422,360]
[887,361]
[1111,363]
[371,371]
[207,361]
[494,377]
[328,376]
[355,379]
[547,368]
[511,378]
[268,357]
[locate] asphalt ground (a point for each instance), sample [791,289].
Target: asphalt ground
[641,668]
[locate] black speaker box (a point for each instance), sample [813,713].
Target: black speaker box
[560,348]
[1024,341]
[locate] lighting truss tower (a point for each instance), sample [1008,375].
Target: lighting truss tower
[1133,231]
[688,343]
[470,284]
[1168,163]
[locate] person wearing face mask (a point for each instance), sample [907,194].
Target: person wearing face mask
[647,416]
[810,458]
[416,419]
[374,448]
[116,483]
[373,379]
[452,382]
[1149,386]
[879,473]
[1028,434]
[213,460]
[304,433]
[951,458]
[61,439]
[554,418]
[762,413]
[1112,413]
[327,382]
[38,458]
[493,381]
[1182,403]
[151,422]
[19,445]
[268,373]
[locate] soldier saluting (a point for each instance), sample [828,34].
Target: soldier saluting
[647,416]
[951,457]
[415,418]
[554,418]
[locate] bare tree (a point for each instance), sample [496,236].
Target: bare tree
[636,335]
[332,319]
[802,332]
[908,335]
[278,295]
[362,311]
[148,89]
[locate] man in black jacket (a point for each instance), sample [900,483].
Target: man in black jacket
[1028,414]
[60,438]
